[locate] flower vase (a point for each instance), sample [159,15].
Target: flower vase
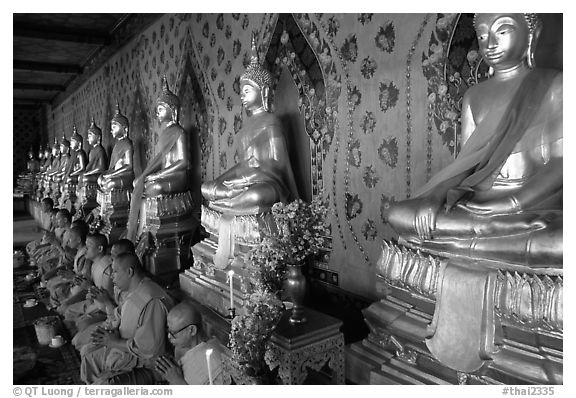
[296,289]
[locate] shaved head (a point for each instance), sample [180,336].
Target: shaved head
[184,314]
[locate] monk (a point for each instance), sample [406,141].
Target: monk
[46,207]
[50,257]
[99,308]
[99,277]
[140,337]
[189,365]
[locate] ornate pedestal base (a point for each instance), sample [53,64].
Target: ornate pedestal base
[526,309]
[114,211]
[86,197]
[206,281]
[68,198]
[170,230]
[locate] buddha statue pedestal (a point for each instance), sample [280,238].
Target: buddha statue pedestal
[86,197]
[56,191]
[168,233]
[69,194]
[516,336]
[207,280]
[114,210]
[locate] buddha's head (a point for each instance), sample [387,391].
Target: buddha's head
[167,104]
[55,148]
[76,140]
[94,133]
[119,125]
[507,40]
[255,83]
[47,152]
[31,154]
[64,145]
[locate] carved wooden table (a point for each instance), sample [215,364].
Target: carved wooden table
[296,348]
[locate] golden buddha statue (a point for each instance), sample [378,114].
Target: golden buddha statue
[120,173]
[97,158]
[161,208]
[501,199]
[78,160]
[263,175]
[166,173]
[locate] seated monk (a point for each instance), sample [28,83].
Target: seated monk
[48,258]
[45,225]
[120,173]
[140,336]
[501,199]
[97,158]
[263,175]
[60,281]
[99,308]
[167,172]
[188,365]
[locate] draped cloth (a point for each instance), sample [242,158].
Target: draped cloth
[462,329]
[195,365]
[494,139]
[167,140]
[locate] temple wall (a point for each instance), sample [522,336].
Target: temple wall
[26,133]
[380,71]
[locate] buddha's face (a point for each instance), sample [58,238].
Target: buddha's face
[92,139]
[163,113]
[74,144]
[46,153]
[251,97]
[55,151]
[502,39]
[117,129]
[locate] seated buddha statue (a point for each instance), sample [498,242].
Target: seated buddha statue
[263,175]
[33,164]
[167,173]
[78,159]
[120,173]
[97,158]
[57,174]
[501,199]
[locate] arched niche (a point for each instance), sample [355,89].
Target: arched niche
[299,101]
[194,119]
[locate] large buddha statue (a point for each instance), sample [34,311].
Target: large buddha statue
[501,199]
[161,208]
[263,175]
[57,174]
[120,173]
[97,158]
[482,240]
[97,163]
[76,165]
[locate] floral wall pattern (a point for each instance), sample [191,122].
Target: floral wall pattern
[378,76]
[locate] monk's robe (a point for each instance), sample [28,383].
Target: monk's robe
[193,364]
[143,323]
[60,286]
[101,277]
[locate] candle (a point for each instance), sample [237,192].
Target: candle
[208,353]
[230,277]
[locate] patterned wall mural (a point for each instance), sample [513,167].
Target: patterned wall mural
[377,140]
[26,134]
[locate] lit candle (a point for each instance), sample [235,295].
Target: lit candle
[230,277]
[208,353]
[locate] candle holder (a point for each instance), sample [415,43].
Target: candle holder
[231,313]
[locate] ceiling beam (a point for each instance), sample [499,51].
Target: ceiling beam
[61,33]
[48,67]
[38,86]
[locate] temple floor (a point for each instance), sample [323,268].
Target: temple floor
[35,363]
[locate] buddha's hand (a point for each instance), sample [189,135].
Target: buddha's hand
[236,183]
[501,206]
[425,218]
[169,370]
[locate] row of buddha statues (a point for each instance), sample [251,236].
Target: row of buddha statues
[499,201]
[506,181]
